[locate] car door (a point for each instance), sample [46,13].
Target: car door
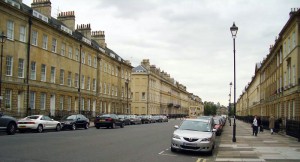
[50,124]
[2,122]
[80,120]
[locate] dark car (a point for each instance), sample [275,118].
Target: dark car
[75,121]
[125,119]
[8,124]
[108,121]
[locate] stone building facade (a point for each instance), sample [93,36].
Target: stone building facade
[155,92]
[274,88]
[51,67]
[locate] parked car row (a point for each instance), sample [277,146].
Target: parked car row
[39,123]
[113,120]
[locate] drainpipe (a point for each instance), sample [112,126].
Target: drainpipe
[79,79]
[28,64]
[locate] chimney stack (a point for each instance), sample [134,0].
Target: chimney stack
[99,37]
[146,63]
[42,6]
[85,30]
[68,18]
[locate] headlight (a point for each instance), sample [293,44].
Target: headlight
[206,139]
[176,136]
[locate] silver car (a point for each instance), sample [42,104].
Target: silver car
[196,135]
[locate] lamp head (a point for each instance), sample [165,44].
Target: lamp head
[234,30]
[2,38]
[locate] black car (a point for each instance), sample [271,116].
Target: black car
[125,119]
[75,121]
[8,124]
[108,121]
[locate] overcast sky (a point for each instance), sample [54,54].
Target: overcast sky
[188,39]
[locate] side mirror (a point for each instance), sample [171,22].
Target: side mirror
[176,126]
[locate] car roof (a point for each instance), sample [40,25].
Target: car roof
[202,120]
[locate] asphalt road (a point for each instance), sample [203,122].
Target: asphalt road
[135,143]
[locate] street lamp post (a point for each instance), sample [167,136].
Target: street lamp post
[127,82]
[229,107]
[2,40]
[234,30]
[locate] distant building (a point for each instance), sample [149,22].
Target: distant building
[155,92]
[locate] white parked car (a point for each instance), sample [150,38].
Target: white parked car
[196,135]
[38,123]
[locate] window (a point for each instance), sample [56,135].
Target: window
[61,102]
[63,49]
[112,90]
[21,68]
[70,52]
[45,42]
[294,40]
[32,100]
[100,88]
[82,81]
[52,80]
[82,103]
[94,84]
[89,84]
[143,95]
[69,103]
[61,76]
[43,101]
[76,80]
[294,75]
[116,91]
[112,70]
[104,88]
[43,73]
[95,62]
[10,30]
[77,54]
[89,60]
[54,45]
[69,78]
[8,94]
[122,73]
[34,38]
[89,105]
[83,58]
[9,66]
[117,71]
[33,71]
[22,33]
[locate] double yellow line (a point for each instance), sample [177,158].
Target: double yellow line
[201,160]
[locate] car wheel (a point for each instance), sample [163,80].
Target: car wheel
[86,126]
[58,127]
[97,127]
[173,150]
[113,125]
[73,127]
[11,128]
[39,129]
[122,125]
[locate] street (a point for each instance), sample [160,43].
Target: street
[135,143]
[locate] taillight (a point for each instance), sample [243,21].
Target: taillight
[29,122]
[108,119]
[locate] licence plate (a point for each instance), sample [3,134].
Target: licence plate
[102,120]
[190,144]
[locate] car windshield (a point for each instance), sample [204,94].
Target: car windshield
[71,117]
[195,126]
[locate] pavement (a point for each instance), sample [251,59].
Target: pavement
[261,148]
